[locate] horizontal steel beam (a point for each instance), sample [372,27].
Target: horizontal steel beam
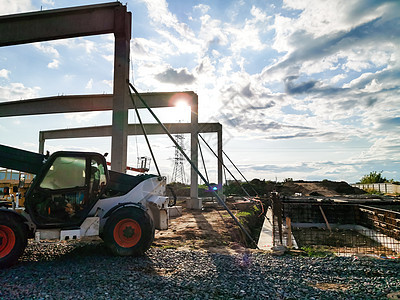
[133,129]
[60,23]
[86,103]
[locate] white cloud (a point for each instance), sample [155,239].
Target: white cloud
[323,17]
[109,58]
[17,91]
[89,85]
[212,33]
[4,73]
[247,36]
[384,147]
[80,118]
[48,2]
[47,48]
[202,7]
[15,6]
[53,64]
[108,83]
[337,78]
[160,14]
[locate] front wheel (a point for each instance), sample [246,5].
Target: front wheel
[129,231]
[13,240]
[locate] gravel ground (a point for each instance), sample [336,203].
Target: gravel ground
[85,270]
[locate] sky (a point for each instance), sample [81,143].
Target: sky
[304,89]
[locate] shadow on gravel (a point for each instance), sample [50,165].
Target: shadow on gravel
[62,251]
[88,249]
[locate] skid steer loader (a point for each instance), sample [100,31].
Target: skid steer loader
[74,195]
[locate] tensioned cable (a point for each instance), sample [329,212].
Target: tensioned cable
[202,159]
[239,172]
[134,120]
[144,132]
[241,186]
[192,164]
[220,160]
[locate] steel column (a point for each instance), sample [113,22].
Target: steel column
[122,24]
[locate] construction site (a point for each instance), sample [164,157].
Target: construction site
[83,205]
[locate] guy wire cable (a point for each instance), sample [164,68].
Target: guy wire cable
[192,164]
[239,172]
[202,159]
[233,176]
[144,132]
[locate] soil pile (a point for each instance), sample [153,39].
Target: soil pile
[324,188]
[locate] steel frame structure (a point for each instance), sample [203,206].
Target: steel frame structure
[85,21]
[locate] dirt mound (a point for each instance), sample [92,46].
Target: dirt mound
[324,188]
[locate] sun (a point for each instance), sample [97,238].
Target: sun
[182,110]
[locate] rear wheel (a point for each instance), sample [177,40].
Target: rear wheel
[129,231]
[13,240]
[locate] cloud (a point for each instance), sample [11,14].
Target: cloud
[390,123]
[303,45]
[173,32]
[47,48]
[303,167]
[48,2]
[15,6]
[202,8]
[301,134]
[4,73]
[17,91]
[178,77]
[247,35]
[82,118]
[54,64]
[89,84]
[300,88]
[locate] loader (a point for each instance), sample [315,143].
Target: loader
[74,195]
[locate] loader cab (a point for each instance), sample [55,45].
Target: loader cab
[66,188]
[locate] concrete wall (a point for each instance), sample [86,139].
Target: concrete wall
[386,188]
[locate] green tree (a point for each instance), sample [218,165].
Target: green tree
[373,177]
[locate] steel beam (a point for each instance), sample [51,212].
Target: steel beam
[58,24]
[87,103]
[133,129]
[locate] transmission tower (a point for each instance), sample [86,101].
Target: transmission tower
[178,174]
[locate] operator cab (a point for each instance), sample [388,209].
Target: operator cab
[66,188]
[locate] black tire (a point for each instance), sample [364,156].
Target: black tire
[129,231]
[13,239]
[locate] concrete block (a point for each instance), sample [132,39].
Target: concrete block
[174,211]
[194,203]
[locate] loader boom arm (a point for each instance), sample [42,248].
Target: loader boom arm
[20,160]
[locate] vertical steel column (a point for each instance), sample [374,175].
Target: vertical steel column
[194,202]
[220,161]
[122,33]
[41,142]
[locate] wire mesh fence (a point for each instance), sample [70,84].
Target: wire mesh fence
[343,228]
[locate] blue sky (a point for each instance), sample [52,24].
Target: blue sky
[306,89]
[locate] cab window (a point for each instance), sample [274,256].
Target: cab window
[64,173]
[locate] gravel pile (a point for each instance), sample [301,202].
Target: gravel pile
[80,270]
